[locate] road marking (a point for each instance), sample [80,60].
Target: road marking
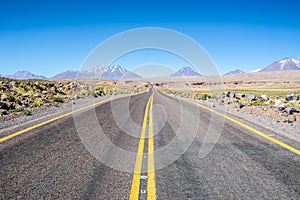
[135,187]
[143,177]
[52,120]
[282,144]
[151,187]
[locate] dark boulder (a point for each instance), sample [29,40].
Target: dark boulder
[4,106]
[292,110]
[291,97]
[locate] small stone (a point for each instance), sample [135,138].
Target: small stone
[250,97]
[282,106]
[239,96]
[291,118]
[277,102]
[230,94]
[264,97]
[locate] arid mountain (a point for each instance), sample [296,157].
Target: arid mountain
[282,65]
[186,71]
[237,71]
[65,75]
[101,72]
[23,75]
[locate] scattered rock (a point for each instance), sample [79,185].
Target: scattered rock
[264,97]
[3,97]
[3,112]
[291,118]
[230,94]
[250,97]
[16,95]
[282,106]
[292,110]
[239,96]
[291,97]
[4,106]
[241,105]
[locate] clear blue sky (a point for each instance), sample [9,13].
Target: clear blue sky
[47,37]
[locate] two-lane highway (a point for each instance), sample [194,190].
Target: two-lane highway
[51,162]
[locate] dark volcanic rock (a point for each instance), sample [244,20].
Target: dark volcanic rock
[291,97]
[4,106]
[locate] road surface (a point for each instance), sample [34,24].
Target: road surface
[52,162]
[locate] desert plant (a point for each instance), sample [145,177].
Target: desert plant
[294,104]
[26,111]
[58,99]
[37,102]
[10,98]
[20,91]
[27,88]
[205,97]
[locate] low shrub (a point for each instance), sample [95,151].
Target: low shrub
[26,111]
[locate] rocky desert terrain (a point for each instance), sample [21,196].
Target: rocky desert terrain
[271,95]
[23,97]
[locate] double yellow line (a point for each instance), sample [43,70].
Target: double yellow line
[151,187]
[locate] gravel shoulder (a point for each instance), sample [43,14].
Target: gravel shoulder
[286,130]
[45,113]
[278,129]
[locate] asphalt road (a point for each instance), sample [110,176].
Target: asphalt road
[54,161]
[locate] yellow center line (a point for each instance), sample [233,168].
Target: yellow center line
[3,139]
[135,187]
[151,168]
[282,144]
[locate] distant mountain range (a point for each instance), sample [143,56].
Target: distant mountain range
[24,75]
[237,71]
[186,71]
[282,65]
[65,75]
[117,72]
[101,72]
